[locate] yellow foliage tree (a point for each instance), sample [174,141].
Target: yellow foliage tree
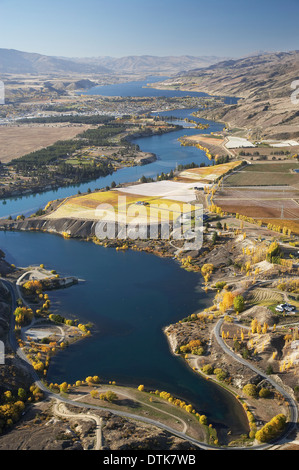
[227,301]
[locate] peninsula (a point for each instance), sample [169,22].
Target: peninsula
[245,340]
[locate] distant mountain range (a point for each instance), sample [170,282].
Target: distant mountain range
[18,62]
[150,64]
[266,74]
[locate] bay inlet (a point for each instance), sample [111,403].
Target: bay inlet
[128,296]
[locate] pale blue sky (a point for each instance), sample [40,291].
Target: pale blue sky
[76,28]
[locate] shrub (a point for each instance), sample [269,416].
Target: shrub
[220,373]
[207,369]
[250,390]
[203,420]
[264,392]
[193,347]
[220,284]
[239,303]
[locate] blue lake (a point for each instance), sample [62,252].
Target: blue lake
[139,88]
[129,297]
[166,147]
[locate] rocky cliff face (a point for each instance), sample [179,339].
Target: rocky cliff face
[72,227]
[68,227]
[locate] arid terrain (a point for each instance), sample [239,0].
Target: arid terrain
[248,263]
[263,85]
[17,140]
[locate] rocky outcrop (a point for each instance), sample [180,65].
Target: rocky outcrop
[69,227]
[147,158]
[72,227]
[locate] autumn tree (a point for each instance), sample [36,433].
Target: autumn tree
[254,325]
[227,301]
[271,429]
[273,252]
[203,420]
[63,387]
[23,315]
[22,394]
[207,270]
[193,347]
[108,396]
[32,287]
[264,392]
[94,393]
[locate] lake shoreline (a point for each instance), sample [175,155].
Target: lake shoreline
[169,341]
[83,230]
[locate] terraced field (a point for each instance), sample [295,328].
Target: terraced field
[279,167]
[265,174]
[264,191]
[265,297]
[265,178]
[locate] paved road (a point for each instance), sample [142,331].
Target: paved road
[292,403]
[49,394]
[182,435]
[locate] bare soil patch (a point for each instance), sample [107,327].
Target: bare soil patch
[260,202]
[258,209]
[17,140]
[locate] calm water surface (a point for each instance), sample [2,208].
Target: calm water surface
[138,88]
[129,297]
[166,147]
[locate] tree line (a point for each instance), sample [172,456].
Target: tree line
[64,148]
[77,119]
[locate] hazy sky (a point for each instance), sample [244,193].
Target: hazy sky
[77,28]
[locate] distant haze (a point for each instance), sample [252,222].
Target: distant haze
[18,62]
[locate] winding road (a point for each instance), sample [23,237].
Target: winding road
[182,434]
[292,403]
[61,410]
